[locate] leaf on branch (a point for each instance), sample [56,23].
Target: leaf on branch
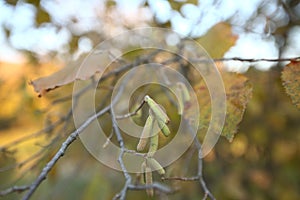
[238,92]
[76,70]
[291,81]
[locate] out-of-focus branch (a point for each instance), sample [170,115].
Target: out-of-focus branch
[200,172]
[132,113]
[258,59]
[27,137]
[72,137]
[13,189]
[155,185]
[199,176]
[247,59]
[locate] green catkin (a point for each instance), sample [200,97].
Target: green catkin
[160,116]
[180,101]
[146,133]
[143,171]
[156,166]
[149,181]
[164,128]
[185,92]
[156,109]
[153,145]
[184,96]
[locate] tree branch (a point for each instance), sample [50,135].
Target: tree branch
[200,170]
[257,60]
[13,189]
[155,185]
[72,137]
[132,113]
[122,194]
[246,59]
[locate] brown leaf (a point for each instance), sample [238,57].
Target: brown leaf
[80,69]
[291,81]
[238,92]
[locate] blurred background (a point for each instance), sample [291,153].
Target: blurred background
[38,38]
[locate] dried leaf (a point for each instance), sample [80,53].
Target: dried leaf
[238,92]
[80,69]
[291,81]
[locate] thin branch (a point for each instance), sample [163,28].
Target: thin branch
[79,93]
[194,178]
[155,185]
[137,62]
[199,176]
[25,138]
[135,153]
[132,113]
[72,137]
[257,60]
[24,162]
[106,143]
[122,194]
[13,189]
[200,170]
[247,59]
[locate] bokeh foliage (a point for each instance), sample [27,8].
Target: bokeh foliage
[261,162]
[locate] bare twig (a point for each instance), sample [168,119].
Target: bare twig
[139,61]
[135,153]
[72,137]
[246,59]
[257,60]
[69,97]
[24,162]
[200,170]
[199,176]
[132,113]
[108,140]
[155,185]
[122,194]
[194,178]
[27,137]
[13,189]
